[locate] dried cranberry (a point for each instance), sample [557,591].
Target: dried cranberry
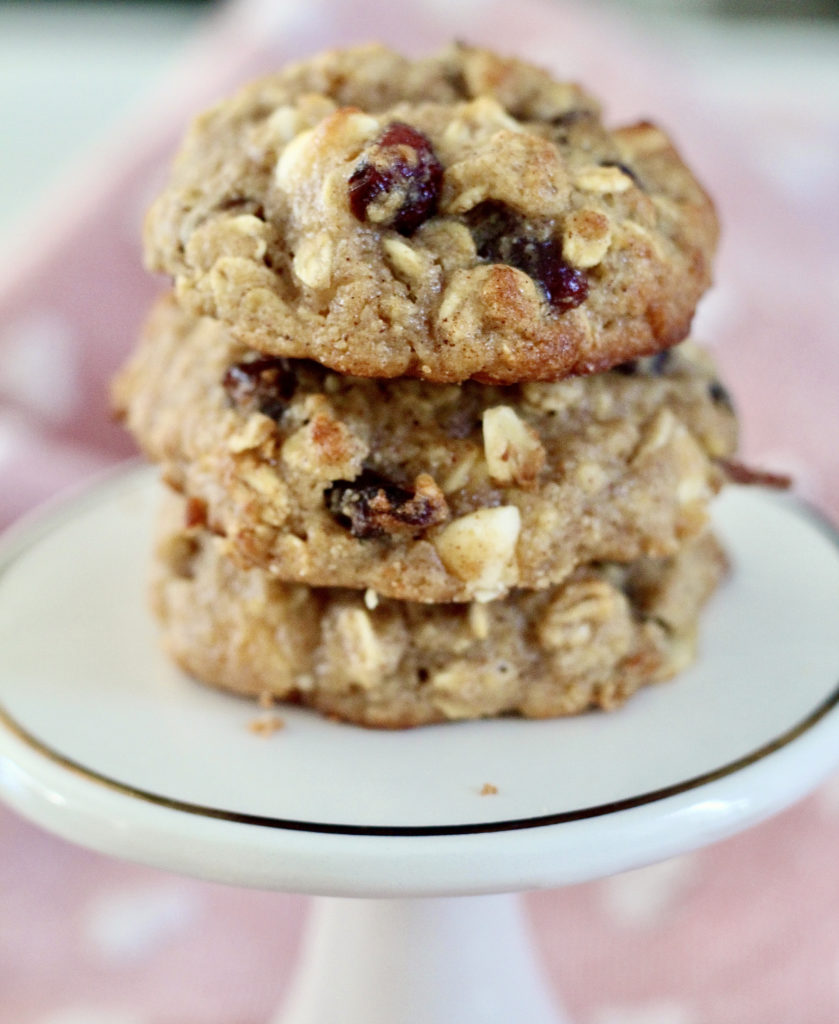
[195,513]
[401,168]
[372,506]
[265,384]
[649,366]
[501,237]
[565,287]
[739,473]
[661,362]
[574,116]
[566,126]
[719,394]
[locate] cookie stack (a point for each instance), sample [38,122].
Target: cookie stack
[436,445]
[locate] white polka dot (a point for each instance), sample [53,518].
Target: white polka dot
[444,8]
[801,162]
[640,898]
[92,1015]
[13,435]
[136,203]
[38,364]
[661,1011]
[271,18]
[828,797]
[122,926]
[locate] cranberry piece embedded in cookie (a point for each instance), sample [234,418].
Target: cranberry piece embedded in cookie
[740,473]
[265,384]
[501,237]
[397,184]
[649,366]
[574,116]
[372,506]
[661,362]
[195,513]
[720,395]
[565,286]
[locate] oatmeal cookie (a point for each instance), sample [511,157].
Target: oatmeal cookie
[462,216]
[590,642]
[420,491]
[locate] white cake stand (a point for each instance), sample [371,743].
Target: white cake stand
[103,742]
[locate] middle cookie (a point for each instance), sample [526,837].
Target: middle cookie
[419,491]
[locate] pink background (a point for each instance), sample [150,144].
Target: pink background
[746,932]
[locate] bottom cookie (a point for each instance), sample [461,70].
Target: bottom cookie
[590,642]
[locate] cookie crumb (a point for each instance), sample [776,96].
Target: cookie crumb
[266,725]
[488,789]
[266,699]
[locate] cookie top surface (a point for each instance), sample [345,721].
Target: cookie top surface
[462,216]
[420,491]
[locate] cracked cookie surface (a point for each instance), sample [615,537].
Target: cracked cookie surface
[419,491]
[463,216]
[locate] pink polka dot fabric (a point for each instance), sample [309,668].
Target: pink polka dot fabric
[745,932]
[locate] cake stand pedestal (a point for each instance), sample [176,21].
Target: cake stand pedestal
[423,961]
[414,859]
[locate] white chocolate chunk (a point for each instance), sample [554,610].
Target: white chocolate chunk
[313,260]
[513,451]
[480,549]
[601,179]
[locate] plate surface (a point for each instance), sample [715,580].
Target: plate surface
[106,742]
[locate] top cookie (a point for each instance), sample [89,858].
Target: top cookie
[463,216]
